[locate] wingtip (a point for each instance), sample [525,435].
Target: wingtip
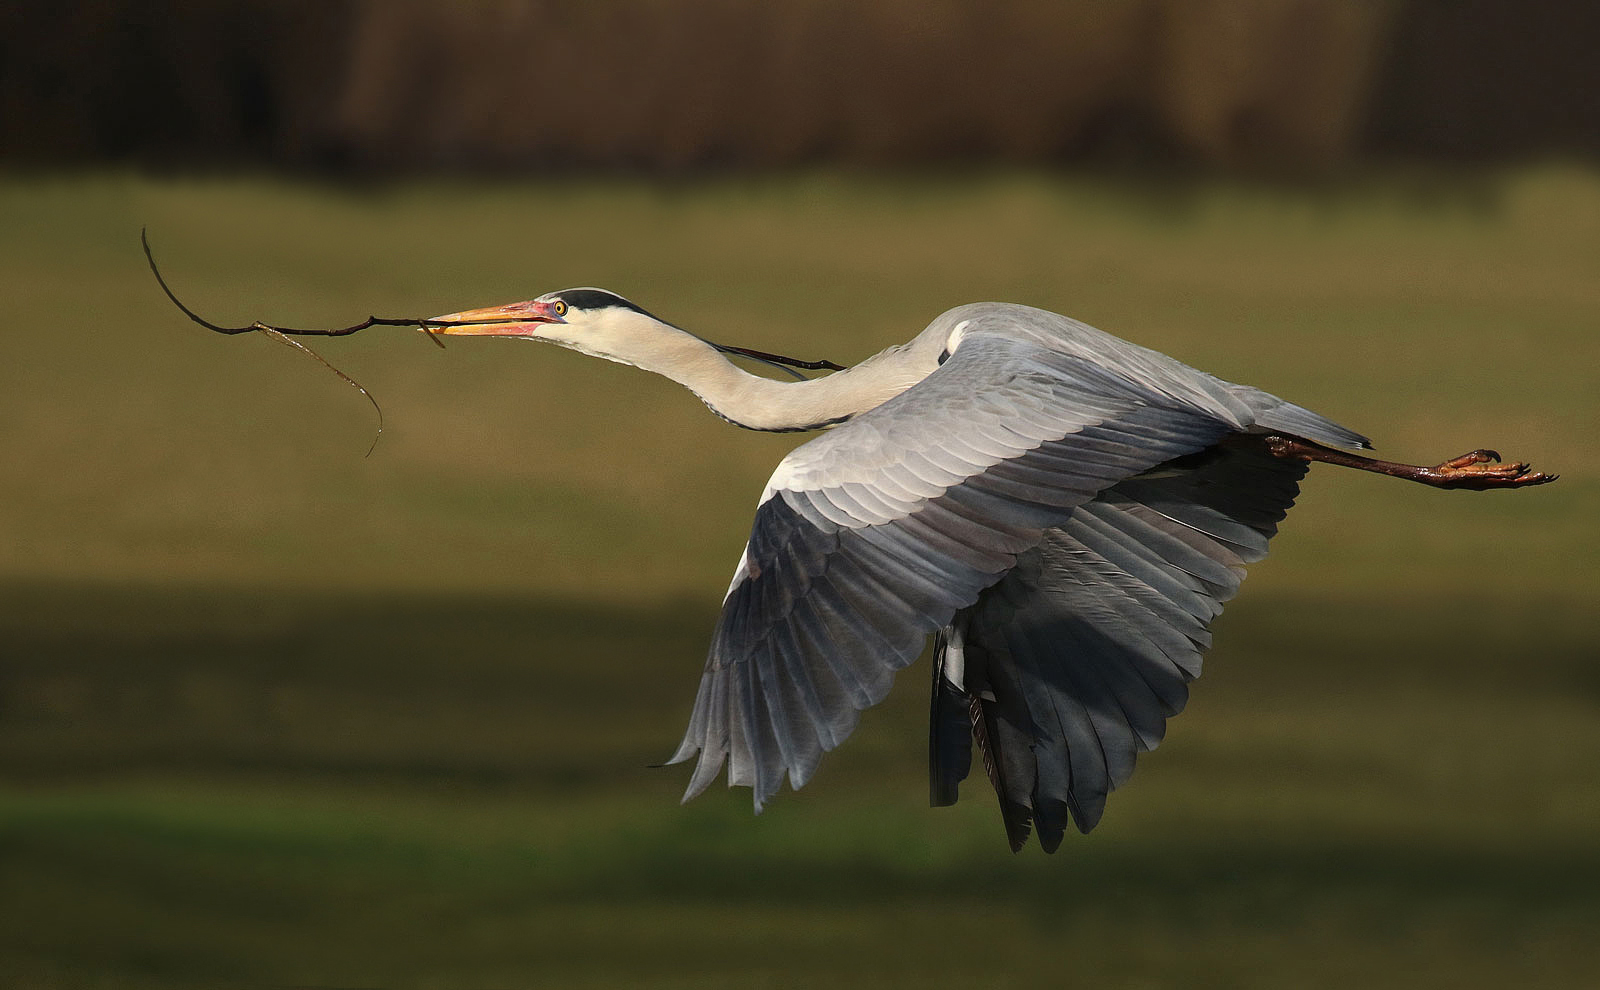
[1019,824]
[685,750]
[694,790]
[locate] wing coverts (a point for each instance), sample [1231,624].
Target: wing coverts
[1068,523]
[894,523]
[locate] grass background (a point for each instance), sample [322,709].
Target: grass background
[272,712]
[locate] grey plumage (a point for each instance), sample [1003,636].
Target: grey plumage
[1088,643]
[1066,511]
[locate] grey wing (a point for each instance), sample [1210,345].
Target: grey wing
[875,535]
[1071,664]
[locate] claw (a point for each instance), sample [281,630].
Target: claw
[1471,459]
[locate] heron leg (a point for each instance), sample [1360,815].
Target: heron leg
[1477,470]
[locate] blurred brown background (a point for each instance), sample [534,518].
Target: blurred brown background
[275,713]
[681,84]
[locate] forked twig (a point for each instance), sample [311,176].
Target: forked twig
[287,334]
[279,335]
[371,321]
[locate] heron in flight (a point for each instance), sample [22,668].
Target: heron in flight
[1063,511]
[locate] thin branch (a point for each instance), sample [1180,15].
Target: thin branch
[371,321]
[279,335]
[282,334]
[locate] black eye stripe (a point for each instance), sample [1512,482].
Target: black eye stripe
[584,299]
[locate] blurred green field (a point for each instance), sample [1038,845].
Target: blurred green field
[271,712]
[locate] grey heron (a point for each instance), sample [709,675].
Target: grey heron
[1063,511]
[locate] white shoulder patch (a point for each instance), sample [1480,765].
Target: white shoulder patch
[956,334]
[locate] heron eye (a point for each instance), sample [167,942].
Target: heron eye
[560,308]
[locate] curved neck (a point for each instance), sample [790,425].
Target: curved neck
[758,403]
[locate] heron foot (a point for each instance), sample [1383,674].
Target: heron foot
[1476,470]
[1480,470]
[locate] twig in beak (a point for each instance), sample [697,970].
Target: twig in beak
[427,326]
[287,334]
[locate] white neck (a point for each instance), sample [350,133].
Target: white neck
[739,397]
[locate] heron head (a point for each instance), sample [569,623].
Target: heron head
[594,321]
[601,323]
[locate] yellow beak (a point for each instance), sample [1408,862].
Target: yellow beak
[512,320]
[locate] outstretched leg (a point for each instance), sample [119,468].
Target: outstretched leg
[1478,470]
